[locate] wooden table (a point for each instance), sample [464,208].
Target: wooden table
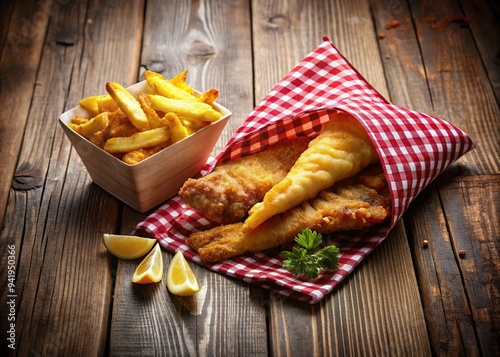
[70,297]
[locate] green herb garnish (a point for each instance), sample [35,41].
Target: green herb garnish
[305,259]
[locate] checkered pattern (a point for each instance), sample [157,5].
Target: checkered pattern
[413,147]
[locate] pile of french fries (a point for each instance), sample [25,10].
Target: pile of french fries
[134,129]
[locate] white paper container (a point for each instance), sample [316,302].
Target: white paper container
[155,179]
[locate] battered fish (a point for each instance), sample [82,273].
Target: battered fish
[352,204]
[341,150]
[226,194]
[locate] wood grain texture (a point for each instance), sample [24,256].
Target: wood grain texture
[213,42]
[413,84]
[446,85]
[210,323]
[63,280]
[285,32]
[482,17]
[463,215]
[472,210]
[403,64]
[456,76]
[22,42]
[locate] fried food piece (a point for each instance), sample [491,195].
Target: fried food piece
[226,194]
[86,129]
[133,157]
[151,114]
[129,105]
[99,103]
[209,96]
[165,87]
[79,120]
[122,130]
[177,130]
[191,109]
[98,138]
[179,80]
[352,204]
[341,150]
[139,140]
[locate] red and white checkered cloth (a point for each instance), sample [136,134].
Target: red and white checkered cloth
[414,148]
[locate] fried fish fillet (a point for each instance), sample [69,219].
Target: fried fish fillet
[226,194]
[352,204]
[342,149]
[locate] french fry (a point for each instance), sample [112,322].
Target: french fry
[134,129]
[140,140]
[129,105]
[196,110]
[97,123]
[164,87]
[209,96]
[98,103]
[136,156]
[192,125]
[177,130]
[179,80]
[153,117]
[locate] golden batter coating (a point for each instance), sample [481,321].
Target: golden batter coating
[226,194]
[341,150]
[352,204]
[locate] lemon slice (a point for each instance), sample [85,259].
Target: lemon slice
[150,270]
[127,247]
[180,278]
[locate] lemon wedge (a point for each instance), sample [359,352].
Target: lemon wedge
[180,278]
[150,270]
[127,247]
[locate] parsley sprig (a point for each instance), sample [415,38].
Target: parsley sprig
[305,259]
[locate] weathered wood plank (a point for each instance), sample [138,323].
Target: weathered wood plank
[401,57]
[369,313]
[483,18]
[63,277]
[472,209]
[441,88]
[285,32]
[6,9]
[457,78]
[213,41]
[462,310]
[22,40]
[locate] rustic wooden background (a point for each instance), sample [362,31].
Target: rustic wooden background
[75,299]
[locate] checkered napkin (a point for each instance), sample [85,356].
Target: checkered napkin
[413,148]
